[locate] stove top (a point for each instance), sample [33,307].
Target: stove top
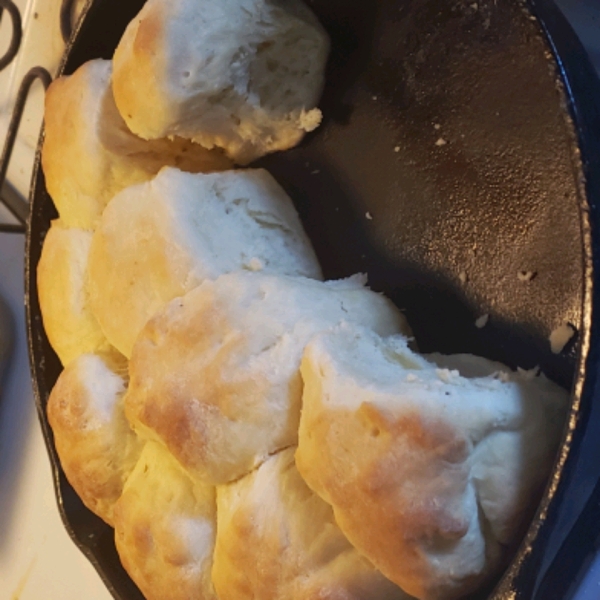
[37,558]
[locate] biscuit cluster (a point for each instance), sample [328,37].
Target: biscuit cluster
[248,429]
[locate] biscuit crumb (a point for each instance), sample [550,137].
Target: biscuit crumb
[447,375]
[441,142]
[501,376]
[526,275]
[560,337]
[528,374]
[255,264]
[482,321]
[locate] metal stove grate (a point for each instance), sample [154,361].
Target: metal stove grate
[9,196]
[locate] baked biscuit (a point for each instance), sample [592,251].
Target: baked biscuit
[215,374]
[89,154]
[68,320]
[431,475]
[165,526]
[96,446]
[241,75]
[158,240]
[277,539]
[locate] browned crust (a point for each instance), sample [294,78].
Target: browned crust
[136,59]
[160,533]
[399,498]
[84,452]
[150,33]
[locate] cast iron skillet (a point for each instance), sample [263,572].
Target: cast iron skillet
[459,147]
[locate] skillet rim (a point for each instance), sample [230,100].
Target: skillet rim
[575,72]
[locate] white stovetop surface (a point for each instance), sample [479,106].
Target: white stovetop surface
[38,560]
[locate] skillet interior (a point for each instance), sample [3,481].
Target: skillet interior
[501,195]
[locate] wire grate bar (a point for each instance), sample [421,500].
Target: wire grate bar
[17,32]
[10,197]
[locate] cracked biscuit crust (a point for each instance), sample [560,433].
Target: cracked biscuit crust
[215,374]
[158,240]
